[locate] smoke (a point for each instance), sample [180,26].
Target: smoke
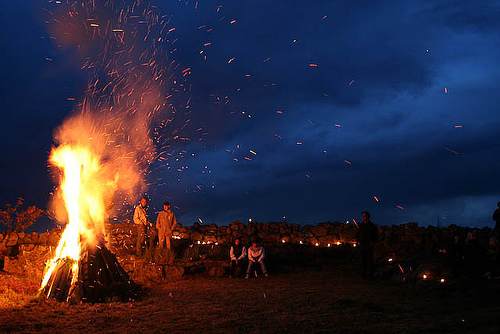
[120,45]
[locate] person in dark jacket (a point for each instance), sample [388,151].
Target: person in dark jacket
[367,236]
[474,256]
[455,255]
[496,218]
[238,255]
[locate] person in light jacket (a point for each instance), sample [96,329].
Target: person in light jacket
[165,224]
[238,254]
[142,223]
[256,254]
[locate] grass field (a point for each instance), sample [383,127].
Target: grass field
[326,301]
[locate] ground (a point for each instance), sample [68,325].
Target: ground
[328,301]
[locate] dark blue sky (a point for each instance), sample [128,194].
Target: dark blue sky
[374,99]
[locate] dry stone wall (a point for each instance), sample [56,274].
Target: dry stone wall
[26,254]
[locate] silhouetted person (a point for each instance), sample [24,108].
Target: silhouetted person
[473,256]
[493,256]
[455,255]
[496,218]
[367,236]
[238,254]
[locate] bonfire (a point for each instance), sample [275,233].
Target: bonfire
[83,269]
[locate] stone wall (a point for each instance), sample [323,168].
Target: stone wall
[205,247]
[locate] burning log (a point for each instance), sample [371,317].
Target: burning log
[101,278]
[59,284]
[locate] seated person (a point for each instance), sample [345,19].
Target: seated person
[256,254]
[238,254]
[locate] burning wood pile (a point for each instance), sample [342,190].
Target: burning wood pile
[100,278]
[83,269]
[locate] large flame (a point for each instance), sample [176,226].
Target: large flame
[105,148]
[84,189]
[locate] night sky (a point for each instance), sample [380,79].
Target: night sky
[311,111]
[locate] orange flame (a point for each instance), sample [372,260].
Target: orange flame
[84,194]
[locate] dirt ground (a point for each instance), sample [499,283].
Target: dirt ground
[319,301]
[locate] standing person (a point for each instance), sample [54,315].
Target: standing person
[165,224]
[474,256]
[496,218]
[238,255]
[142,222]
[256,254]
[367,236]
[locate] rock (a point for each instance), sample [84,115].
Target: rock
[285,239]
[348,233]
[237,225]
[239,234]
[184,235]
[30,262]
[285,229]
[319,231]
[216,271]
[44,238]
[12,239]
[26,247]
[210,238]
[173,273]
[196,236]
[272,227]
[224,239]
[327,239]
[53,239]
[268,237]
[251,228]
[204,229]
[311,241]
[328,225]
